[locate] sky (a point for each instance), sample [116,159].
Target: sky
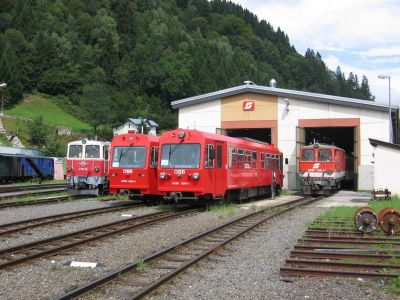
[360,36]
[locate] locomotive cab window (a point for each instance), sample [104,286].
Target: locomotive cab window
[307,155]
[324,155]
[129,157]
[75,151]
[92,151]
[154,157]
[106,150]
[209,158]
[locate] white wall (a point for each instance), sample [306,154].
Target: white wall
[386,168]
[204,116]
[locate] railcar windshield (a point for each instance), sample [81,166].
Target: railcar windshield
[180,156]
[129,157]
[75,151]
[307,155]
[92,151]
[324,155]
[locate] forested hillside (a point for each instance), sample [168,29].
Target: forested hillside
[113,59]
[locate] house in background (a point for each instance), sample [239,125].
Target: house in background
[139,125]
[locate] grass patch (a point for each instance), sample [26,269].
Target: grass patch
[227,210]
[142,265]
[4,141]
[394,287]
[42,105]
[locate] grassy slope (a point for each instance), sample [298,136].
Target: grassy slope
[41,105]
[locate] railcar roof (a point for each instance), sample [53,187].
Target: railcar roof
[313,146]
[224,138]
[89,142]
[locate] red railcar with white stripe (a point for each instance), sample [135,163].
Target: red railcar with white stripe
[87,167]
[133,167]
[322,168]
[200,166]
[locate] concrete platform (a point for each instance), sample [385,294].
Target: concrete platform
[345,198]
[269,202]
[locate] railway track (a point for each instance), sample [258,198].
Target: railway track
[30,251]
[169,262]
[342,251]
[20,194]
[47,200]
[17,188]
[16,227]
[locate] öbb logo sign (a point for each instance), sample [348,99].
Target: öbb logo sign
[248,105]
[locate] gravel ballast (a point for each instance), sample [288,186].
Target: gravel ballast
[249,269]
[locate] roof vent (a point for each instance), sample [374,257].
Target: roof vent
[249,82]
[272,83]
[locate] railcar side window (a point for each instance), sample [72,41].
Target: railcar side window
[153,157]
[92,151]
[209,160]
[307,155]
[324,155]
[219,156]
[268,162]
[262,166]
[231,157]
[253,159]
[75,151]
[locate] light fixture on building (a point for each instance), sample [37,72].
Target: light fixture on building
[287,105]
[272,83]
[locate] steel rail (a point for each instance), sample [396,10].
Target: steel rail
[42,221]
[349,241]
[326,272]
[47,200]
[341,255]
[14,188]
[29,251]
[196,248]
[11,195]
[340,264]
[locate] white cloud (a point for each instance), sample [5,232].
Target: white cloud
[378,87]
[362,33]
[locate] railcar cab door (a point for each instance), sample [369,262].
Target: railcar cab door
[214,161]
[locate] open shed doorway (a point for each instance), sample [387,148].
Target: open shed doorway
[342,137]
[259,134]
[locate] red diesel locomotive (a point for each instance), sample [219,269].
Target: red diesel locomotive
[87,167]
[322,168]
[200,166]
[133,169]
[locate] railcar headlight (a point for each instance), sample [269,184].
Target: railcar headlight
[329,172]
[69,168]
[195,176]
[96,169]
[301,171]
[181,134]
[163,175]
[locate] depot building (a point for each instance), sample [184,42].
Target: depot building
[289,119]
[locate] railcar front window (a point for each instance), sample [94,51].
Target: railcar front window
[325,155]
[75,151]
[180,156]
[307,155]
[129,157]
[92,151]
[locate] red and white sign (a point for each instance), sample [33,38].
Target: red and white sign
[248,105]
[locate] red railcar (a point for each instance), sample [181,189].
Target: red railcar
[200,166]
[322,168]
[87,167]
[133,168]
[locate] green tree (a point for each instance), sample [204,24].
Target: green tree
[38,132]
[95,103]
